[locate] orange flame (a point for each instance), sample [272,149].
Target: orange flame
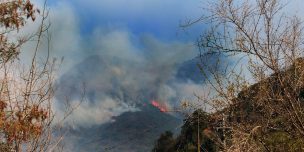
[162,108]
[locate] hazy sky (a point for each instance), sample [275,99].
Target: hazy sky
[157,17]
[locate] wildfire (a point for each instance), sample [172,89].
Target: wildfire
[161,107]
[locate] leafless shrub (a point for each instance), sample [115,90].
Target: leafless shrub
[26,90]
[264,87]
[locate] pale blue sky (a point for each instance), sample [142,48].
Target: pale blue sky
[156,17]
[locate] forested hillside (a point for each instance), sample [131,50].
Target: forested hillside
[268,129]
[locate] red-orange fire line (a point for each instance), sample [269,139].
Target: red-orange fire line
[162,108]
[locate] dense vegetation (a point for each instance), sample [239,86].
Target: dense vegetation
[248,114]
[195,125]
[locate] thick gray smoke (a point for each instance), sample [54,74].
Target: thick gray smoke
[120,76]
[121,71]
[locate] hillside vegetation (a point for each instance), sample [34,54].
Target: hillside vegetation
[258,113]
